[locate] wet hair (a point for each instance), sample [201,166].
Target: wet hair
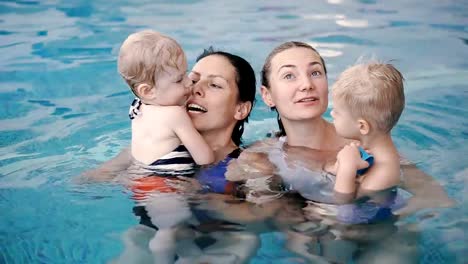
[246,85]
[267,69]
[372,91]
[144,55]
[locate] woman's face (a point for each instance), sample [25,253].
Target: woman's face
[298,85]
[215,96]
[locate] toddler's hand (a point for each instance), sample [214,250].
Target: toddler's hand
[350,156]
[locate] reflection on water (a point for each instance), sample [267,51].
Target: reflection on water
[64,111]
[228,229]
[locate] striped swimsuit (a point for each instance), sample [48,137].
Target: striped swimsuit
[176,163]
[149,179]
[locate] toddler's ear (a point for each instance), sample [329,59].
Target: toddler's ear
[364,127]
[144,91]
[266,95]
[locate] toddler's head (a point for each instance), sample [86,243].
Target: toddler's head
[154,66]
[369,92]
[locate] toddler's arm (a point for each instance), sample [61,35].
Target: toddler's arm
[197,146]
[349,162]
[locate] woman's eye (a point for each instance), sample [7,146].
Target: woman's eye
[316,73]
[215,85]
[192,80]
[288,76]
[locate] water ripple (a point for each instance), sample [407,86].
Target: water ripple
[64,107]
[337,38]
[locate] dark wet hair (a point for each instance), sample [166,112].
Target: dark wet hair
[267,68]
[246,84]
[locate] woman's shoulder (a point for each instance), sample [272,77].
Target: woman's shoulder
[336,142]
[260,145]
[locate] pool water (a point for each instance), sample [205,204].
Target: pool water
[64,107]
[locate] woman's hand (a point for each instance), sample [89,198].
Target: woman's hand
[427,191]
[249,165]
[107,171]
[185,184]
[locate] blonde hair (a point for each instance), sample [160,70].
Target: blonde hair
[372,91]
[144,55]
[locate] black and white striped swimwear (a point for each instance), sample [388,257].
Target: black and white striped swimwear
[178,162]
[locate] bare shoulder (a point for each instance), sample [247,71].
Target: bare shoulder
[262,144]
[382,175]
[166,113]
[172,109]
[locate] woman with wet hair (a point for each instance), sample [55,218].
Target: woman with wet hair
[295,85]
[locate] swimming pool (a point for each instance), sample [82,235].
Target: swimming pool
[64,107]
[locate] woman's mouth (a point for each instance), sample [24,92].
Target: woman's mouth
[196,108]
[308,99]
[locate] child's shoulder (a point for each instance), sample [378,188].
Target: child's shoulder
[165,111]
[384,173]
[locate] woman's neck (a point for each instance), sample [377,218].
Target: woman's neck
[220,142]
[315,134]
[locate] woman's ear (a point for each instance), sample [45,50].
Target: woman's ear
[145,91]
[243,110]
[266,95]
[364,126]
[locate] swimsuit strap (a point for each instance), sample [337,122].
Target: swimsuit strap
[235,153]
[135,108]
[366,157]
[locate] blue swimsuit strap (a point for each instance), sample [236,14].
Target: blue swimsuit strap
[214,179]
[365,157]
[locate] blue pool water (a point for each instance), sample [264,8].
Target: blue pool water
[64,107]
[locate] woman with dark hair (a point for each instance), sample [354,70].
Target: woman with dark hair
[223,95]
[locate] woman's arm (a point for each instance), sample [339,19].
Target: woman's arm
[109,169]
[427,192]
[253,162]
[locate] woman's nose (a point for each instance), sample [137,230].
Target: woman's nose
[197,89]
[307,84]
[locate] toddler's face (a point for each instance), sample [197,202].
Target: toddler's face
[346,125]
[173,87]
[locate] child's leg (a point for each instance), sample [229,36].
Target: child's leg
[242,244]
[186,246]
[169,212]
[300,244]
[400,247]
[163,246]
[135,242]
